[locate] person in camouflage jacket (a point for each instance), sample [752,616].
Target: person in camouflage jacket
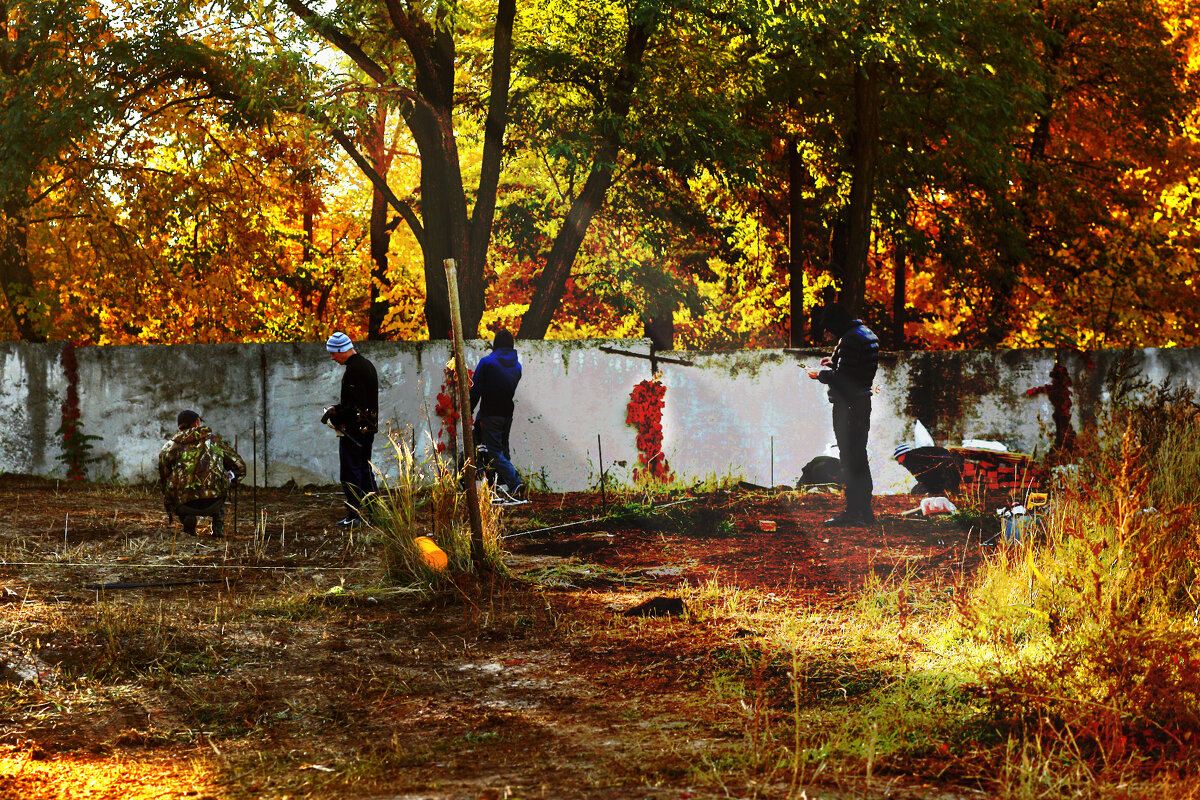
[195,472]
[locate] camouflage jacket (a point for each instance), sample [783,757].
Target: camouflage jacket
[195,464]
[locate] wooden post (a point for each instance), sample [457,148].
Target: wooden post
[464,415]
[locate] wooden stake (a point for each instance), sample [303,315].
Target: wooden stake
[464,415]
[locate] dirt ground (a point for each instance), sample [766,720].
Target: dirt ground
[280,664]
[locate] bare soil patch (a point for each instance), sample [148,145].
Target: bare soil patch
[281,665]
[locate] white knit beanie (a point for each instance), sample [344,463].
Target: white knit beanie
[339,343]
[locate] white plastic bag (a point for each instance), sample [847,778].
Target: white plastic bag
[985,444]
[936,505]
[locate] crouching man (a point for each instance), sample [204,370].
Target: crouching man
[195,472]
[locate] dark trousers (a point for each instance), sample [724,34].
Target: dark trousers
[491,434]
[358,479]
[851,424]
[205,507]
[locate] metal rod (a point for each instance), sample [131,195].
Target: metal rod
[235,567]
[603,491]
[235,489]
[254,475]
[583,522]
[652,357]
[152,584]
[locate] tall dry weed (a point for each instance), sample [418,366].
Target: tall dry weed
[1087,636]
[425,499]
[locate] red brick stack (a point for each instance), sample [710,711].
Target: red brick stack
[994,472]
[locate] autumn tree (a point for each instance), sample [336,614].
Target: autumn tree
[199,232]
[1116,98]
[408,57]
[76,78]
[1049,233]
[59,77]
[646,89]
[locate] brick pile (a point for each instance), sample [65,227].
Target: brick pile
[990,471]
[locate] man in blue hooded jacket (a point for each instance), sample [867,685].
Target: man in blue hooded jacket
[849,373]
[492,389]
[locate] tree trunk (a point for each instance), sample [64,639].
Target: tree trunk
[444,230]
[796,318]
[899,293]
[380,233]
[551,284]
[444,209]
[865,140]
[16,279]
[450,233]
[473,277]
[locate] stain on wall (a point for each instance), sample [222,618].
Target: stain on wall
[943,385]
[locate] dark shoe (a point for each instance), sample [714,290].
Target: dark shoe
[846,521]
[350,521]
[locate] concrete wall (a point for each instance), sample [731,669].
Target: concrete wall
[751,414]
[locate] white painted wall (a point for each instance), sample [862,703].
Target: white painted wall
[749,414]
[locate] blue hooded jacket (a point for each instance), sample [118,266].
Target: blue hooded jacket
[495,383]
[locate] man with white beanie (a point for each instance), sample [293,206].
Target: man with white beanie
[356,418]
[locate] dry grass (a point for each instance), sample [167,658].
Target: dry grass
[331,666]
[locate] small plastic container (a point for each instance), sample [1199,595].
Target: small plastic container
[766,525]
[434,556]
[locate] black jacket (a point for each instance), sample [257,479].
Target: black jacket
[358,410]
[855,361]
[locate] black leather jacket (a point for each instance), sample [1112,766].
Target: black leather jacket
[358,410]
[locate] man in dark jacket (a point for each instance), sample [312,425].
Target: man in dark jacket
[849,373]
[492,389]
[195,472]
[356,419]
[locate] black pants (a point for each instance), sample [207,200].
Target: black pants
[204,507]
[851,424]
[358,479]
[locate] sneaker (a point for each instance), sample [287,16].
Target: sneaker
[351,521]
[501,496]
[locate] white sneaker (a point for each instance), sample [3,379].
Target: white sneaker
[501,497]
